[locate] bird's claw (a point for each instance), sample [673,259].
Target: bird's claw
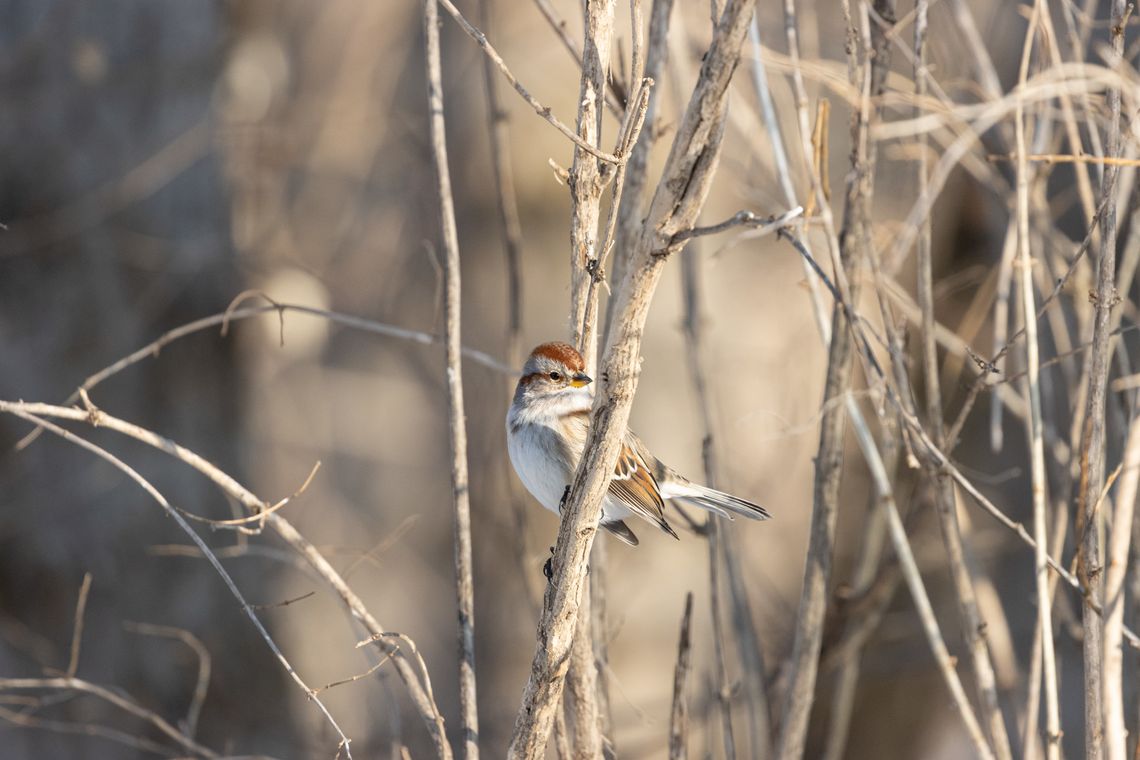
[548,566]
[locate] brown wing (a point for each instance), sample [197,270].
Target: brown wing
[634,483]
[635,486]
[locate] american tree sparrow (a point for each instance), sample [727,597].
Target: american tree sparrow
[546,436]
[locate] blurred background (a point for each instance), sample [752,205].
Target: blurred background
[162,156]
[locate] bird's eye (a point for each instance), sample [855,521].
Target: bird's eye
[555,376]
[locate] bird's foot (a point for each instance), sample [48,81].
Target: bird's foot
[548,567]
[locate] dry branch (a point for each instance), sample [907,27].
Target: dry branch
[679,715]
[540,109]
[1035,423]
[126,704]
[419,688]
[457,422]
[676,203]
[1093,447]
[853,248]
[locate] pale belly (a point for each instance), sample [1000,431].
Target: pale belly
[536,457]
[538,461]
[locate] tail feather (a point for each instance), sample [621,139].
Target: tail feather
[720,503]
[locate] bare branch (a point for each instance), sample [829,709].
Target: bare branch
[1093,437]
[123,703]
[22,411]
[419,687]
[190,724]
[457,423]
[539,109]
[679,715]
[77,635]
[679,198]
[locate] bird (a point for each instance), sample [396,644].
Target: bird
[547,423]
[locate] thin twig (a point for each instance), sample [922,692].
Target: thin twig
[630,212]
[722,550]
[539,109]
[1034,421]
[226,578]
[114,698]
[77,634]
[852,249]
[1093,448]
[761,225]
[914,583]
[679,715]
[457,421]
[201,685]
[1064,158]
[419,687]
[233,314]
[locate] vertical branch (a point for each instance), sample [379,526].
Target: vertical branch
[864,577]
[829,459]
[507,203]
[677,202]
[679,715]
[1034,422]
[629,217]
[585,179]
[723,680]
[1112,647]
[77,631]
[1115,743]
[586,187]
[973,626]
[1093,437]
[464,584]
[722,550]
[918,591]
[582,689]
[500,135]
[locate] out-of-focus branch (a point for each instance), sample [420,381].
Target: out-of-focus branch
[1116,569]
[853,242]
[946,663]
[190,724]
[539,109]
[679,715]
[234,314]
[1093,448]
[630,214]
[77,631]
[32,413]
[722,549]
[1035,424]
[127,705]
[419,688]
[457,422]
[500,136]
[1102,715]
[676,203]
[941,461]
[558,24]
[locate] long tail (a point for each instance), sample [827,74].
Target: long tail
[717,502]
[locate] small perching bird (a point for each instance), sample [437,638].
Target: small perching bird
[546,437]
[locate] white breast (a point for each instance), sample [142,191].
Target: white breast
[539,462]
